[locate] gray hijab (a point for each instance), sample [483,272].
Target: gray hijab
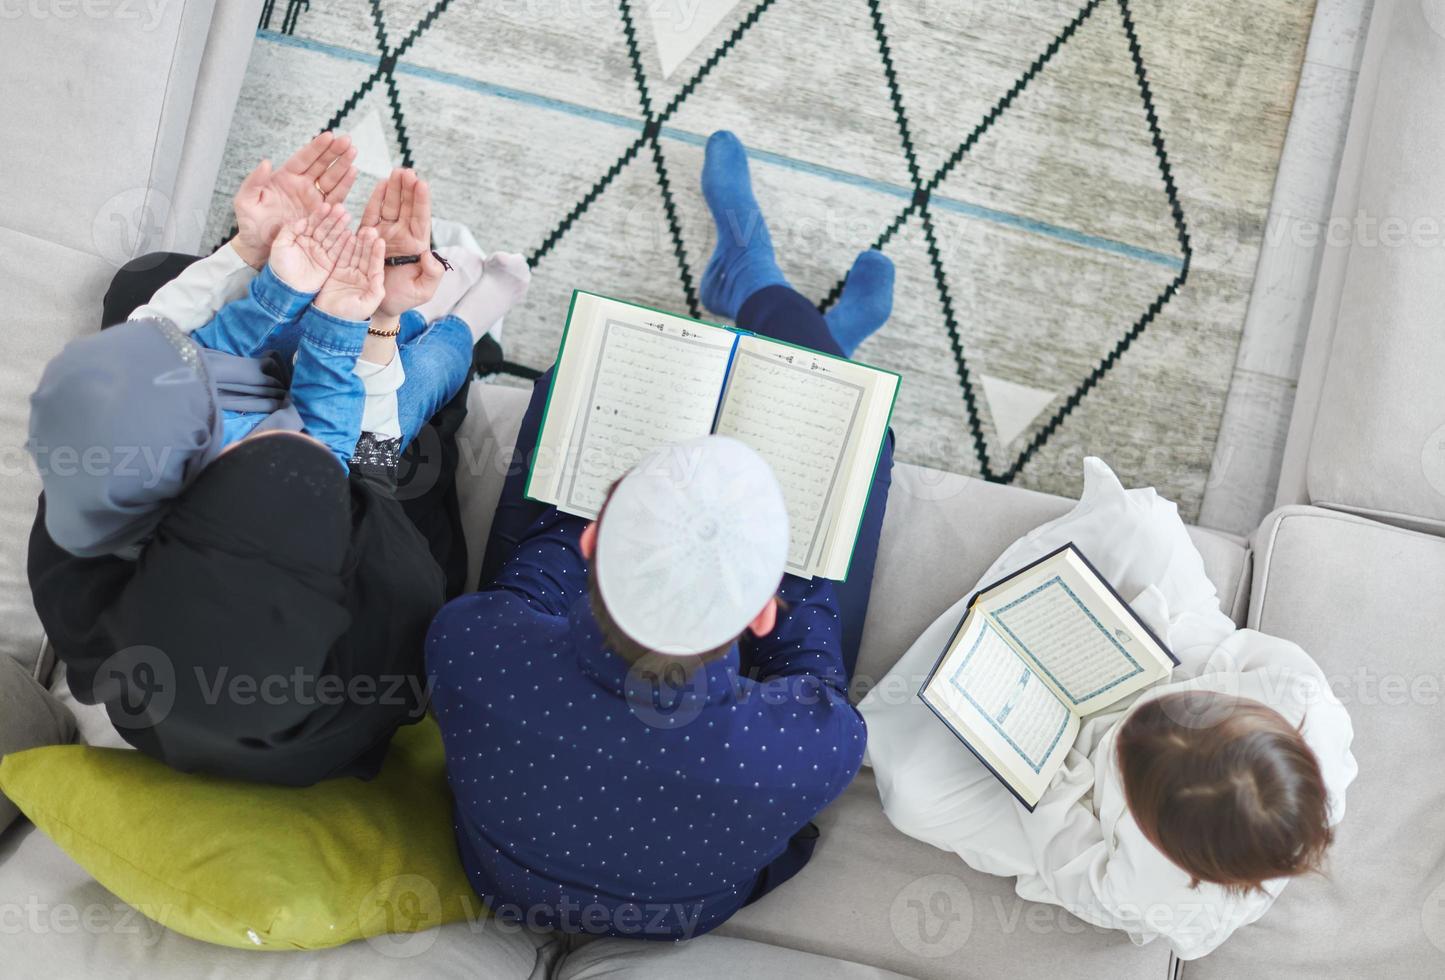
[124,420]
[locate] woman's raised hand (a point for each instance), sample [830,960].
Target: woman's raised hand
[321,172]
[400,211]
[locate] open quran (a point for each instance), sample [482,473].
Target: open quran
[1035,653]
[629,379]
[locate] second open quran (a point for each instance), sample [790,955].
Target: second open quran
[1036,654]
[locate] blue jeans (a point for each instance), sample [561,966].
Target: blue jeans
[437,358]
[781,313]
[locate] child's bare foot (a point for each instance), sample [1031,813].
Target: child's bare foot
[357,284]
[306,250]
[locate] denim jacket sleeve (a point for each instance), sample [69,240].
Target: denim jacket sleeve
[325,389]
[247,326]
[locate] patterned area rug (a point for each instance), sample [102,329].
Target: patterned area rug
[1074,194]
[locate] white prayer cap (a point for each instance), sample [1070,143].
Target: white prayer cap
[692,545]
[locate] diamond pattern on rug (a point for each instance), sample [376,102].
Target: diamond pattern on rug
[680,28]
[507,185]
[1011,159]
[280,115]
[722,40]
[954,61]
[1074,153]
[799,68]
[579,61]
[937,423]
[630,219]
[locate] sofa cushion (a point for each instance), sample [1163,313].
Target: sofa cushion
[102,111]
[1377,445]
[92,721]
[485,445]
[62,923]
[52,293]
[1365,599]
[94,116]
[874,896]
[707,958]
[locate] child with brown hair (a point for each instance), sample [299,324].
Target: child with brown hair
[1226,788]
[1181,814]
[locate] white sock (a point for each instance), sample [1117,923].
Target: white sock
[502,285]
[466,270]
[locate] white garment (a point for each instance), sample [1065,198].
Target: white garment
[379,415]
[1080,848]
[195,296]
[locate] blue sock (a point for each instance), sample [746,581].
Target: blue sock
[866,301]
[743,261]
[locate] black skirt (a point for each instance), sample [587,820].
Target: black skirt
[240,669]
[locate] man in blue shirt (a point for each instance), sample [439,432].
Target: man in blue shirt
[614,773]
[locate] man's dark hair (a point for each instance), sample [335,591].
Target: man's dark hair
[635,653]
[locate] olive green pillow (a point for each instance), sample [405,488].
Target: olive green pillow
[252,866]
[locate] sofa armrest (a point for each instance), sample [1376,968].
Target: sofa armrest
[1368,433]
[1363,599]
[218,88]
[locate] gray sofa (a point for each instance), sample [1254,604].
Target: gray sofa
[113,129]
[1352,567]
